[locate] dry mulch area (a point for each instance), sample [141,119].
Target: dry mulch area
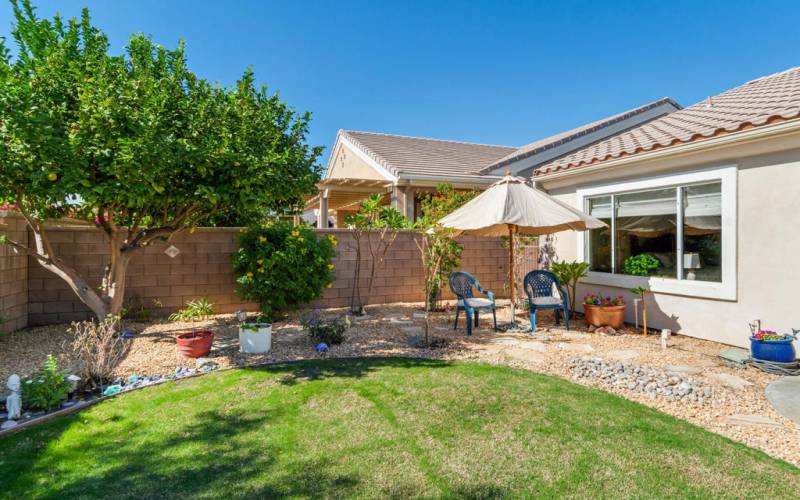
[385,333]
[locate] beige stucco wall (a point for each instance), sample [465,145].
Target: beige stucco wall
[346,164]
[768,247]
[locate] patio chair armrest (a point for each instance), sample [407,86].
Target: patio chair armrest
[563,292]
[490,295]
[485,292]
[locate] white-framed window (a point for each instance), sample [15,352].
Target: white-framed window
[680,229]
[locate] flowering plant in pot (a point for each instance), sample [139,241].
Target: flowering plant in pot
[768,345]
[604,311]
[255,335]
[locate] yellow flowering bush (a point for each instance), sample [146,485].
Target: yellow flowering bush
[280,266]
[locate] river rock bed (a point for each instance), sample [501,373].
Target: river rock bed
[651,381]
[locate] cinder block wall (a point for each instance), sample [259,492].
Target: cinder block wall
[34,296]
[401,278]
[13,275]
[156,281]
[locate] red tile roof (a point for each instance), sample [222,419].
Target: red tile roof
[565,137]
[760,102]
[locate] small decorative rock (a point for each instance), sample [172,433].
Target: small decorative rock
[606,331]
[653,382]
[112,389]
[7,424]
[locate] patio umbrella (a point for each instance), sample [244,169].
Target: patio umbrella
[511,207]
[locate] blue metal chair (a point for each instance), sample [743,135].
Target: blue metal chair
[461,284]
[541,287]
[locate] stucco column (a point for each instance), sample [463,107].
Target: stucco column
[322,220]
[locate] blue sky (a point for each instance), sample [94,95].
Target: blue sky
[491,72]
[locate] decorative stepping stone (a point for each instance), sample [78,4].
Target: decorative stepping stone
[623,355]
[533,346]
[689,370]
[420,315]
[400,321]
[784,394]
[731,381]
[576,335]
[504,341]
[412,329]
[363,317]
[526,355]
[582,348]
[752,421]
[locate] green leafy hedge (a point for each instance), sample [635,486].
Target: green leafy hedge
[280,266]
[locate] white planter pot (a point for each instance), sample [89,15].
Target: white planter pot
[255,338]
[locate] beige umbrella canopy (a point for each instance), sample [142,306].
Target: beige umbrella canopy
[512,207]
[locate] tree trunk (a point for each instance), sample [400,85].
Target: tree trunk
[116,273]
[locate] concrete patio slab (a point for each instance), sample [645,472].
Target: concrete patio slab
[784,394]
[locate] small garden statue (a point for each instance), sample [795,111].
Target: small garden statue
[13,401]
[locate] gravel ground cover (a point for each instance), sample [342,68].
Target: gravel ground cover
[736,406]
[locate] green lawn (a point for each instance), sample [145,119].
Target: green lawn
[381,428]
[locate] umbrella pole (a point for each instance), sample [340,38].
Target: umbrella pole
[511,273]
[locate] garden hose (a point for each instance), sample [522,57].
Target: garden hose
[791,369]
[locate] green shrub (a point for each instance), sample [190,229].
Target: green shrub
[195,310]
[643,264]
[47,388]
[280,266]
[569,273]
[320,330]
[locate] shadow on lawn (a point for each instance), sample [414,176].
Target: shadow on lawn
[141,464]
[306,370]
[158,468]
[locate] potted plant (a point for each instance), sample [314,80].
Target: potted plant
[604,311]
[768,345]
[195,344]
[255,336]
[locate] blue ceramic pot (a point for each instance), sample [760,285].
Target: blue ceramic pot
[781,351]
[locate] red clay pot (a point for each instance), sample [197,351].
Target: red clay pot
[195,344]
[597,316]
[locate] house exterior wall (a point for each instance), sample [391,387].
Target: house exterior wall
[767,243]
[13,275]
[31,295]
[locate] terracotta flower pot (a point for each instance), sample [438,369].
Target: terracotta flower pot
[195,344]
[597,316]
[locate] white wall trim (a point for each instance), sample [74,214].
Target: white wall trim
[727,290]
[369,160]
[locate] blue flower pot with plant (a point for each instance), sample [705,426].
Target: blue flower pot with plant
[767,345]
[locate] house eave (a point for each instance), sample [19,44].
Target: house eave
[690,148]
